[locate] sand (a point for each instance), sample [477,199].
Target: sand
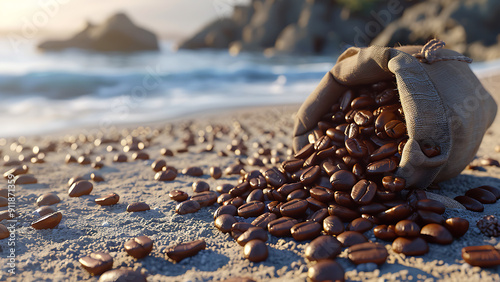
[52,255]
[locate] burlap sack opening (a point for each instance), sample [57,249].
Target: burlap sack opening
[443,101]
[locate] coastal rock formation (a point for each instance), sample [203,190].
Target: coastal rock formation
[118,33]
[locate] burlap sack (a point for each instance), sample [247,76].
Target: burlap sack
[443,101]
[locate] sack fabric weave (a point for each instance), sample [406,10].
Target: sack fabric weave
[443,101]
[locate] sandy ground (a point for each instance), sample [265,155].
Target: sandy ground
[52,255]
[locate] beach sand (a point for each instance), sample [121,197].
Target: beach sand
[52,255]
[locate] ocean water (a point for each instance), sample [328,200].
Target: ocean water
[44,92]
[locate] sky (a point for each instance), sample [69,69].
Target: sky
[168,18]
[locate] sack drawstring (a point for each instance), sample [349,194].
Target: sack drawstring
[428,53]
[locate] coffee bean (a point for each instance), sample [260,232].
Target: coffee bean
[427,217]
[435,233]
[252,233]
[363,192]
[372,208]
[185,250]
[345,214]
[410,246]
[382,166]
[215,172]
[321,194]
[367,253]
[306,230]
[323,247]
[274,177]
[344,199]
[25,179]
[482,256]
[322,143]
[206,198]
[470,203]
[251,209]
[363,118]
[97,263]
[360,225]
[158,165]
[386,97]
[281,227]
[120,158]
[482,195]
[294,208]
[239,228]
[289,188]
[382,119]
[314,204]
[4,232]
[407,228]
[255,195]
[224,222]
[351,238]
[193,171]
[47,200]
[167,175]
[351,131]
[332,225]
[224,188]
[178,195]
[84,160]
[139,247]
[42,211]
[69,159]
[292,165]
[255,251]
[343,180]
[457,226]
[362,102]
[383,152]
[335,135]
[96,177]
[395,129]
[140,156]
[108,200]
[395,214]
[138,207]
[200,186]
[495,191]
[385,232]
[318,216]
[236,201]
[356,148]
[326,270]
[122,274]
[80,188]
[16,171]
[264,219]
[345,100]
[310,175]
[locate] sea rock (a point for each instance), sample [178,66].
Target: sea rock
[117,34]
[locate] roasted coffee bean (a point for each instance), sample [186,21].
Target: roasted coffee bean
[332,225]
[84,160]
[470,203]
[482,195]
[326,270]
[482,256]
[322,143]
[358,170]
[343,180]
[122,274]
[362,102]
[345,100]
[314,204]
[80,188]
[294,208]
[274,177]
[393,184]
[292,165]
[96,177]
[310,175]
[224,188]
[120,158]
[321,194]
[306,230]
[69,159]
[252,233]
[139,247]
[345,214]
[73,180]
[108,200]
[360,225]
[297,195]
[426,217]
[323,247]
[167,175]
[206,198]
[255,251]
[193,171]
[351,238]
[363,192]
[363,118]
[97,263]
[47,200]
[430,150]
[224,222]
[251,209]
[178,195]
[48,221]
[289,188]
[395,214]
[16,171]
[200,186]
[383,152]
[318,216]
[410,246]
[407,228]
[239,228]
[223,197]
[306,151]
[189,206]
[228,209]
[215,172]
[457,226]
[372,208]
[395,129]
[42,211]
[385,232]
[185,250]
[137,207]
[344,199]
[382,166]
[495,191]
[264,219]
[25,179]
[356,148]
[240,189]
[335,135]
[140,156]
[281,227]
[258,183]
[386,97]
[351,131]
[382,119]
[435,233]
[367,253]
[236,201]
[158,165]
[255,195]
[233,169]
